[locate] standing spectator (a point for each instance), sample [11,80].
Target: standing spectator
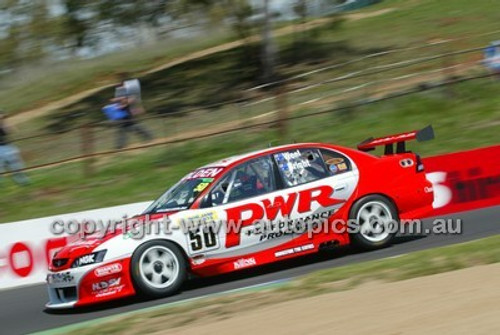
[128,99]
[9,155]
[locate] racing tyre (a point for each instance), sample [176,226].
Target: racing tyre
[375,222]
[158,268]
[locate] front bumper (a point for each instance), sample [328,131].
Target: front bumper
[89,285]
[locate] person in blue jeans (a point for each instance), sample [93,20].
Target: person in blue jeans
[10,158]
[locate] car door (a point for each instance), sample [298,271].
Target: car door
[322,179]
[247,203]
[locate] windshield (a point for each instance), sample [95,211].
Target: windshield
[183,194]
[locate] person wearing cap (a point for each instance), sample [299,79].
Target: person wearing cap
[10,158]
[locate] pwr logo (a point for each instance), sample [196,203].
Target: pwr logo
[21,259]
[301,202]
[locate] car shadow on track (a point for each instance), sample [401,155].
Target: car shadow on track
[200,283]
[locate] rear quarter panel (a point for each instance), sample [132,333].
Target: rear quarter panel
[410,191]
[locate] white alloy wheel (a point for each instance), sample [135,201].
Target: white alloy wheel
[159,267]
[375,221]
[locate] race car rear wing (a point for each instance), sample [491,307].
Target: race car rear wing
[400,140]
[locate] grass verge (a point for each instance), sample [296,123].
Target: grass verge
[417,264]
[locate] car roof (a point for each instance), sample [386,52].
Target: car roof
[239,158]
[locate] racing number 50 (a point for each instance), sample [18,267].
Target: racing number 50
[203,239]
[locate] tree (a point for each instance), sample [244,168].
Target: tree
[268,46]
[77,22]
[28,31]
[142,15]
[8,49]
[243,17]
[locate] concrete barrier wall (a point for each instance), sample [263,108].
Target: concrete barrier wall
[26,246]
[465,180]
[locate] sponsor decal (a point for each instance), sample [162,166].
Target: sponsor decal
[205,173]
[272,236]
[86,260]
[336,164]
[244,263]
[295,250]
[201,229]
[199,219]
[400,137]
[301,201]
[21,259]
[292,161]
[276,229]
[335,161]
[107,287]
[462,190]
[342,166]
[294,166]
[105,284]
[203,185]
[198,261]
[108,270]
[60,278]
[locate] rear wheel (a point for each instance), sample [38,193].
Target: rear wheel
[375,219]
[158,268]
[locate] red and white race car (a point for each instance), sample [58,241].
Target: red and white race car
[247,211]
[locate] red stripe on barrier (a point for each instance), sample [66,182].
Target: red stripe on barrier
[465,180]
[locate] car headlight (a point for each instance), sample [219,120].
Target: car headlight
[89,259]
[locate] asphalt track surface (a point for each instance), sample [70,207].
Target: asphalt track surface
[22,310]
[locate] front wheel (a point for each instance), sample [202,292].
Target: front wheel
[158,268]
[375,219]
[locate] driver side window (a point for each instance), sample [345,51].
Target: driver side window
[218,194]
[247,180]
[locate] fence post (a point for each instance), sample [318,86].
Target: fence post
[448,72]
[374,90]
[239,111]
[282,107]
[87,141]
